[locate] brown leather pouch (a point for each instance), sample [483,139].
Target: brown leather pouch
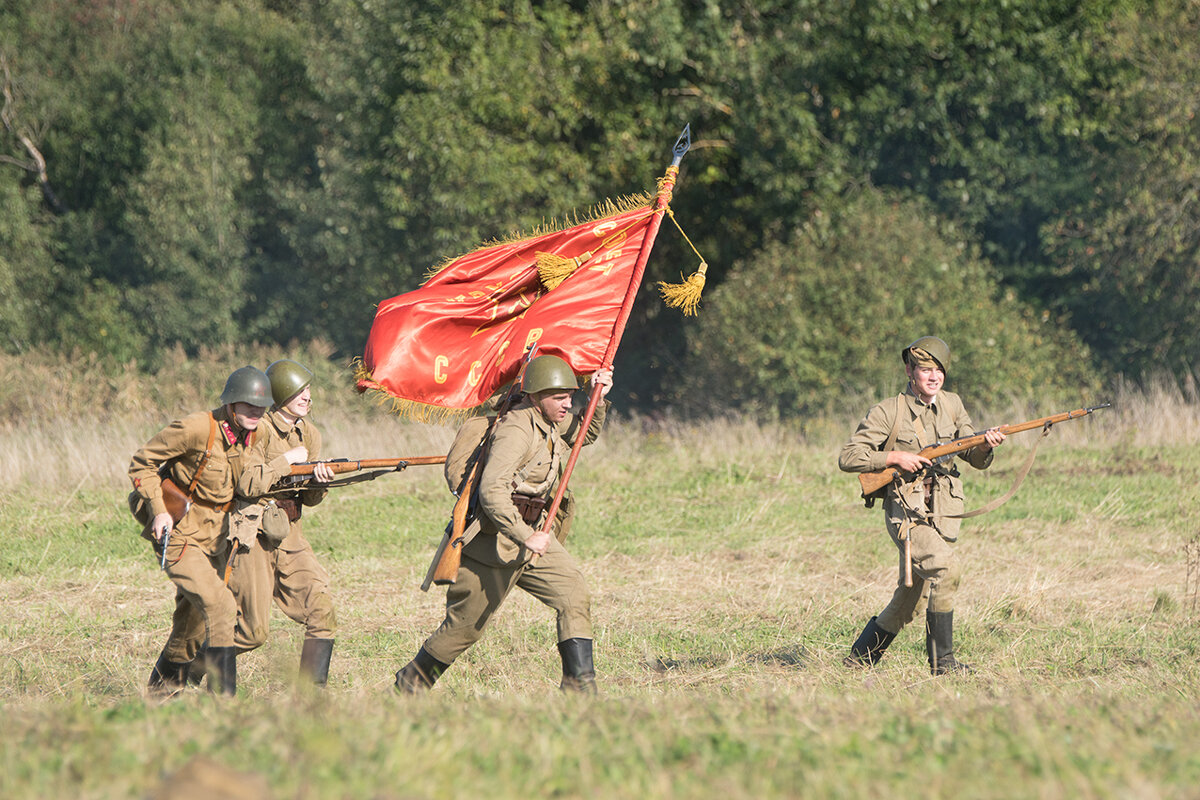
[291,506]
[530,508]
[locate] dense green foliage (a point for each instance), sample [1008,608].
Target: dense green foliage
[218,172]
[844,298]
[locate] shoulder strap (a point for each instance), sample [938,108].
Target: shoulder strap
[212,437]
[890,444]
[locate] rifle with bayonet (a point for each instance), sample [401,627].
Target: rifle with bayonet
[874,483]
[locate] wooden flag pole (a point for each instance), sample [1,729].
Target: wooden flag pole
[682,145]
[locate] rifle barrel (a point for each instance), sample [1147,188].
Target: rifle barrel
[346,465]
[872,482]
[967,442]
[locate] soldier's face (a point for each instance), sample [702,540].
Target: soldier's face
[926,381]
[554,405]
[300,403]
[246,416]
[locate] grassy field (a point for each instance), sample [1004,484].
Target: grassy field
[731,566]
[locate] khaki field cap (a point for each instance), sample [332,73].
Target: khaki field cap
[549,372]
[247,385]
[927,351]
[288,379]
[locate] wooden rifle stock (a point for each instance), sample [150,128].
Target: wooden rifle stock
[339,465]
[873,483]
[446,571]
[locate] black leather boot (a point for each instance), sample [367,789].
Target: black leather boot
[198,667]
[869,646]
[420,674]
[939,644]
[222,670]
[578,673]
[168,677]
[314,660]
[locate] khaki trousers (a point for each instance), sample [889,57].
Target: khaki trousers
[935,574]
[291,577]
[552,578]
[205,608]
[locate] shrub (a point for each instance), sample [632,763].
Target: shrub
[803,323]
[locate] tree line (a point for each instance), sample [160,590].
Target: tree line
[1022,178]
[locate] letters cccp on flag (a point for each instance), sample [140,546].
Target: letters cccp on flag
[460,336]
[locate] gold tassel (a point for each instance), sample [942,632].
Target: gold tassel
[553,269]
[685,295]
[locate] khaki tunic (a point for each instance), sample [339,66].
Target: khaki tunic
[526,456]
[204,606]
[288,572]
[936,571]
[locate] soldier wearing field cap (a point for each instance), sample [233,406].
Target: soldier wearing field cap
[275,560]
[923,505]
[201,455]
[529,445]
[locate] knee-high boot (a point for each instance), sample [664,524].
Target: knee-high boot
[420,674]
[578,673]
[314,660]
[222,670]
[868,648]
[168,677]
[939,643]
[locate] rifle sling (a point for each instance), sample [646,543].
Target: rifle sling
[999,501]
[212,436]
[1004,498]
[890,444]
[362,476]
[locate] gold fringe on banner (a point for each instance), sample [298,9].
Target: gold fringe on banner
[407,409]
[606,209]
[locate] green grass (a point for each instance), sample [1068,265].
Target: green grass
[730,566]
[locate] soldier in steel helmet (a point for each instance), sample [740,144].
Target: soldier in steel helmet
[923,505]
[275,560]
[201,455]
[508,549]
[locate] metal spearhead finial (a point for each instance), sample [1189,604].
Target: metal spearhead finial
[682,144]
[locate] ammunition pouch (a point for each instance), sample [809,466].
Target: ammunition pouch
[530,508]
[290,506]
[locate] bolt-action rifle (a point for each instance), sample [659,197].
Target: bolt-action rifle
[301,474]
[874,483]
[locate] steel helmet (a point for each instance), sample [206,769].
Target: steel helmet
[549,372]
[938,350]
[288,379]
[247,385]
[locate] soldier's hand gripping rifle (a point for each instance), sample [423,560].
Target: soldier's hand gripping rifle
[874,483]
[302,474]
[444,569]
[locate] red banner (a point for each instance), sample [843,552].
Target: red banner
[460,336]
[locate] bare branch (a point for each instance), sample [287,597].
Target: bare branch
[37,163]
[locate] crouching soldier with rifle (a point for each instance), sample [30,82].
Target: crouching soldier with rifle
[921,504]
[183,486]
[508,544]
[274,560]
